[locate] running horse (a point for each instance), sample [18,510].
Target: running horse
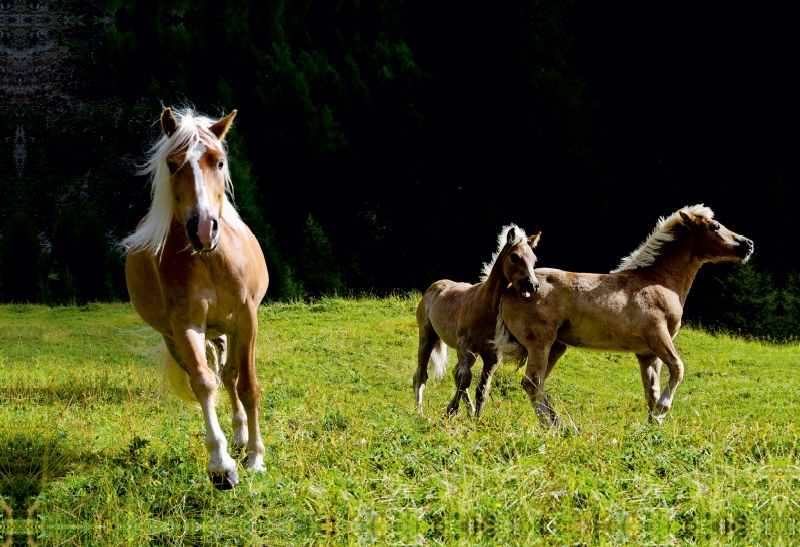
[637,308]
[196,274]
[464,317]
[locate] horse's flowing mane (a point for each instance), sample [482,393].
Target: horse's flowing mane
[521,237]
[192,127]
[664,232]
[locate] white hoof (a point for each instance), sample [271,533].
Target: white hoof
[255,462]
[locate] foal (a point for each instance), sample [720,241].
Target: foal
[636,308]
[464,317]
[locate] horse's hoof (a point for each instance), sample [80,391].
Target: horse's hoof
[658,415]
[224,482]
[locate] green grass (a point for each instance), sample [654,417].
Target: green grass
[93,451]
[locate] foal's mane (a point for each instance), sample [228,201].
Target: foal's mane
[192,129]
[502,237]
[664,232]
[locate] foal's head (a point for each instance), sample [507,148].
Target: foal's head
[198,172]
[713,242]
[517,260]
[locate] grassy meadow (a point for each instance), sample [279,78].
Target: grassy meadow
[92,451]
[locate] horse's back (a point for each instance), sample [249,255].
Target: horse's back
[592,311]
[440,307]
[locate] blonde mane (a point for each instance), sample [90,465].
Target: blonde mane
[664,232]
[521,237]
[192,128]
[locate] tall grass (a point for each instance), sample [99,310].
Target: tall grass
[92,451]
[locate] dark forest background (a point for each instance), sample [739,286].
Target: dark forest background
[381,145]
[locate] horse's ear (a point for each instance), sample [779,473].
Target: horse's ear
[511,236]
[221,127]
[533,241]
[169,125]
[688,218]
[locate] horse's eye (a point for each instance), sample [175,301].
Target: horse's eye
[714,227]
[515,258]
[172,167]
[220,164]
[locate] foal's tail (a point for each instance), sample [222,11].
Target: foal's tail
[174,377]
[438,360]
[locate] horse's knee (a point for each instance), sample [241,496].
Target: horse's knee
[463,376]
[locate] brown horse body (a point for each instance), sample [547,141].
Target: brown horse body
[464,317]
[200,287]
[637,308]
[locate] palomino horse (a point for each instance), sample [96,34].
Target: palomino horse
[196,274]
[464,317]
[636,308]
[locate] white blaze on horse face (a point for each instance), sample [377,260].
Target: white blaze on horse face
[205,218]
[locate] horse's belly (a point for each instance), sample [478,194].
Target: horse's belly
[601,339]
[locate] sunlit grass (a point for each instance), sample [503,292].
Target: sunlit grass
[88,443]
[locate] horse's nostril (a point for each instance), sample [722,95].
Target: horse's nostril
[192,225]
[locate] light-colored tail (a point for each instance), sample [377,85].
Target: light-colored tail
[174,377]
[438,360]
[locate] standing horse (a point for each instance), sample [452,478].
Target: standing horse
[636,308]
[196,274]
[464,317]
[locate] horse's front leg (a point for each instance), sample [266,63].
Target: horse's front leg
[650,367]
[189,350]
[533,384]
[463,377]
[248,389]
[660,343]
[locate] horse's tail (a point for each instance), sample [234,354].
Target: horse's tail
[438,360]
[508,348]
[174,377]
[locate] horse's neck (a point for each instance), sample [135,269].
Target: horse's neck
[676,266]
[494,286]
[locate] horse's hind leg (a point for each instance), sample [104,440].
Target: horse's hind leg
[428,341]
[490,365]
[650,367]
[463,377]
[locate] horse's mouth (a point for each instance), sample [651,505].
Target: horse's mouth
[526,288]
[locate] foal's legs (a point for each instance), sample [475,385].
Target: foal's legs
[650,367]
[660,343]
[463,377]
[490,366]
[247,387]
[188,348]
[427,341]
[557,350]
[539,364]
